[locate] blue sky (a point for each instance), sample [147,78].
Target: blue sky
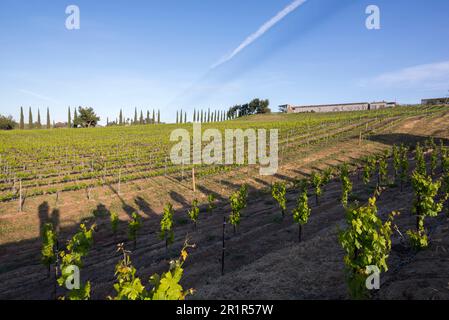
[160,54]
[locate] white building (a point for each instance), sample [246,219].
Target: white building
[359,106]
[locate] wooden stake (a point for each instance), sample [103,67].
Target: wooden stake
[20,196]
[193,179]
[223,247]
[119,178]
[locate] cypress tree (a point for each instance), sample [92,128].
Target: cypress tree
[39,124]
[141,117]
[75,119]
[30,119]
[120,117]
[208,115]
[154,117]
[48,119]
[135,116]
[158,116]
[194,115]
[185,117]
[69,119]
[148,116]
[22,121]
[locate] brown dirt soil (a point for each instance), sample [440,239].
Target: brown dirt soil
[263,259]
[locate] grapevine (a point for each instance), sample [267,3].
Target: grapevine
[278,192]
[167,233]
[48,246]
[238,202]
[317,181]
[210,203]
[194,212]
[164,287]
[77,248]
[424,205]
[114,222]
[346,185]
[367,242]
[134,226]
[302,212]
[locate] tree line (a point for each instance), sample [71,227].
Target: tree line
[256,106]
[85,117]
[154,118]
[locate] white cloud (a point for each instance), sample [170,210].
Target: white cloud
[261,31]
[433,76]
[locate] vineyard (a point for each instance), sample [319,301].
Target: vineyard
[353,189]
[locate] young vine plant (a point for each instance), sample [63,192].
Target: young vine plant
[163,287]
[238,203]
[301,212]
[317,182]
[367,242]
[194,212]
[424,205]
[134,226]
[167,233]
[278,191]
[48,246]
[77,248]
[210,203]
[346,185]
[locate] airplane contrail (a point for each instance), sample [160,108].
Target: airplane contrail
[261,31]
[39,96]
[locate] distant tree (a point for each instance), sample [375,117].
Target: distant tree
[154,117]
[283,109]
[75,119]
[39,123]
[185,117]
[48,119]
[69,118]
[194,115]
[148,117]
[30,119]
[7,123]
[255,106]
[177,120]
[60,125]
[141,117]
[208,115]
[202,116]
[87,118]
[120,117]
[263,107]
[135,116]
[22,121]
[159,116]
